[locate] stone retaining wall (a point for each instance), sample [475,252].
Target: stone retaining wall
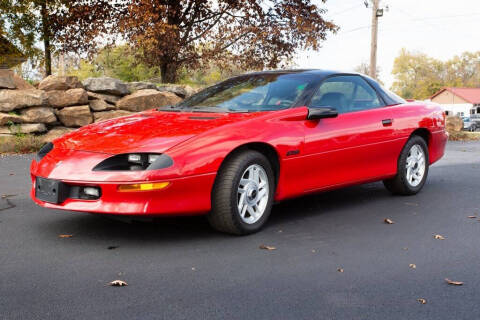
[62,103]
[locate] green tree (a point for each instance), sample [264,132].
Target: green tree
[463,70]
[418,76]
[56,23]
[21,24]
[117,62]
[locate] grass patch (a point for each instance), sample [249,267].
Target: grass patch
[25,143]
[464,136]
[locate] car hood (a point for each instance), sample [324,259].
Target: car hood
[151,131]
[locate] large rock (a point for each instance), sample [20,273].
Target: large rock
[106,85]
[100,105]
[147,99]
[59,83]
[24,128]
[6,118]
[105,115]
[59,99]
[183,91]
[101,96]
[38,114]
[17,99]
[75,116]
[135,86]
[454,124]
[21,84]
[55,133]
[6,79]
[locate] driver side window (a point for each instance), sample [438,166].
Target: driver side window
[346,94]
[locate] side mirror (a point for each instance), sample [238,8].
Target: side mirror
[321,113]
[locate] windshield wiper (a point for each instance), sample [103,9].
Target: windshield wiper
[215,109]
[173,108]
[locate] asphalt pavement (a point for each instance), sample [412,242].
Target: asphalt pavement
[179,268]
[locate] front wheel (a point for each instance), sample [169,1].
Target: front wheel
[412,168]
[242,196]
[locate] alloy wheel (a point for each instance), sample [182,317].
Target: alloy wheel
[415,165]
[252,194]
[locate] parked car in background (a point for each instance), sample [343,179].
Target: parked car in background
[232,150]
[468,124]
[474,119]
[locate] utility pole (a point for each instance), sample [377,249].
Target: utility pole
[373,50]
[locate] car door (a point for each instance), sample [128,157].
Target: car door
[353,147]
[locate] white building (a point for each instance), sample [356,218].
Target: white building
[458,101]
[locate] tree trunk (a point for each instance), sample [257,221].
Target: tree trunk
[169,72]
[46,38]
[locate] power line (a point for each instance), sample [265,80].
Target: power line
[355,29]
[449,17]
[415,19]
[345,10]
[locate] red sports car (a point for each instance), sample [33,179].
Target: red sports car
[233,149]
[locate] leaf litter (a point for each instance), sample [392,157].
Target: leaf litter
[265,247]
[454,283]
[118,283]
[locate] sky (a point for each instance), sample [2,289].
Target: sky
[439,28]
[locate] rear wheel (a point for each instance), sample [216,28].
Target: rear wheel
[242,196]
[412,168]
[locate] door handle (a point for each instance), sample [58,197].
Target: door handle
[387,122]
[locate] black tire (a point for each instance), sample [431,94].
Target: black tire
[399,184]
[225,215]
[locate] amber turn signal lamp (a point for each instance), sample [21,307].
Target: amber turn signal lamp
[143,186]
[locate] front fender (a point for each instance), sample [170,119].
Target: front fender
[283,130]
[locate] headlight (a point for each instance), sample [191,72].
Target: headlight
[44,150]
[153,157]
[135,162]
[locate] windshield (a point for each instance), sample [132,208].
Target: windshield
[261,92]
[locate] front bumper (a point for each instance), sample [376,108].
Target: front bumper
[183,196]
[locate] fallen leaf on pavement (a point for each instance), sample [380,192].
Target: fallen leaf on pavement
[439,237]
[193,269]
[5,196]
[313,251]
[422,301]
[405,248]
[267,247]
[112,247]
[118,283]
[340,270]
[471,217]
[388,221]
[413,266]
[454,283]
[65,235]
